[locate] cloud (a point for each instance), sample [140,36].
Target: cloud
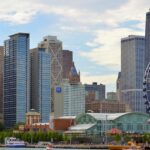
[101,19]
[23,11]
[103,79]
[108,51]
[19,12]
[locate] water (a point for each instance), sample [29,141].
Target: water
[38,149]
[22,148]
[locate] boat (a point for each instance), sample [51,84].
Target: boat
[13,142]
[49,146]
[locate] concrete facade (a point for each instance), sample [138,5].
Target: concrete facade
[69,99]
[132,69]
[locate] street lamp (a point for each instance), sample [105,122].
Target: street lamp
[106,129]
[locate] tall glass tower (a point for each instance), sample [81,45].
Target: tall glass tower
[147,39]
[41,82]
[16,79]
[132,70]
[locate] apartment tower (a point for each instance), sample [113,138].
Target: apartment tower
[16,79]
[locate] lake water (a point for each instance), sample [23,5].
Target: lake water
[38,149]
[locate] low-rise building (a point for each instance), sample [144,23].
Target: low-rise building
[32,117]
[63,123]
[105,106]
[100,123]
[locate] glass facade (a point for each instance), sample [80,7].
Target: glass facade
[132,70]
[41,83]
[16,79]
[74,99]
[44,85]
[127,122]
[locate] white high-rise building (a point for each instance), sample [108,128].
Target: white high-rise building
[69,96]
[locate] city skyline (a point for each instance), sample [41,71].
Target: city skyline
[88,32]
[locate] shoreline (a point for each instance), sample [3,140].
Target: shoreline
[70,146]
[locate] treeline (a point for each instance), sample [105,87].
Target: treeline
[35,137]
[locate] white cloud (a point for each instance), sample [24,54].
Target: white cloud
[104,79]
[19,12]
[108,53]
[92,16]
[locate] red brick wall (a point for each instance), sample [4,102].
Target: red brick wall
[63,124]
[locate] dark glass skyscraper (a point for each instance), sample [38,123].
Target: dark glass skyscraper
[41,82]
[16,78]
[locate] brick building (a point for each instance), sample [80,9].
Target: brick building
[105,106]
[63,123]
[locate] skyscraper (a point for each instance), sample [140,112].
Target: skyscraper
[16,78]
[54,47]
[1,83]
[132,69]
[146,80]
[147,39]
[41,82]
[67,60]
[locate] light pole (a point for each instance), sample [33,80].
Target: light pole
[106,129]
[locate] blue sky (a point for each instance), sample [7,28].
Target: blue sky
[92,29]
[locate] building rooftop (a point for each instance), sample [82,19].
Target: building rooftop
[133,37]
[19,33]
[81,127]
[33,113]
[66,117]
[107,116]
[42,124]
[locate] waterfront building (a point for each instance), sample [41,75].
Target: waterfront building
[41,82]
[67,60]
[16,79]
[105,106]
[96,91]
[69,96]
[63,123]
[100,123]
[1,84]
[32,117]
[54,47]
[111,96]
[132,69]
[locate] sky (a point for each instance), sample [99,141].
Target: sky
[92,29]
